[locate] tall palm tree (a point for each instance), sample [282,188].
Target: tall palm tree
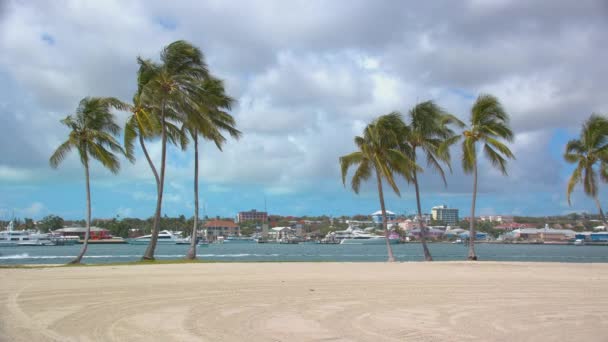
[144,123]
[379,152]
[92,134]
[489,124]
[209,120]
[429,130]
[586,152]
[170,93]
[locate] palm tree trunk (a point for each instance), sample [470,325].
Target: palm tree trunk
[391,258]
[152,167]
[472,233]
[599,207]
[149,254]
[87,233]
[421,227]
[192,251]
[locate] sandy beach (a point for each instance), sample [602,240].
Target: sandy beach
[452,301]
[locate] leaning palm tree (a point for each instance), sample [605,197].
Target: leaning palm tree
[379,154]
[489,125]
[586,152]
[144,124]
[429,130]
[170,92]
[208,119]
[92,134]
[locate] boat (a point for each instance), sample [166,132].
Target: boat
[357,236]
[368,239]
[458,241]
[579,242]
[239,239]
[165,237]
[14,238]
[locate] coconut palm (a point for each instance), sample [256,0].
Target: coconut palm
[379,154]
[208,119]
[170,92]
[92,134]
[489,125]
[144,123]
[429,131]
[586,152]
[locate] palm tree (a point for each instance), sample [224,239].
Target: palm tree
[429,131]
[92,134]
[209,120]
[591,148]
[144,124]
[489,125]
[170,92]
[379,153]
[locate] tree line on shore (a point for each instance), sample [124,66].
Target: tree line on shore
[392,146]
[178,101]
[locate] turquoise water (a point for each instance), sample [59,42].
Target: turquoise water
[98,254]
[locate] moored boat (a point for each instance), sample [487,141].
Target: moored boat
[165,237]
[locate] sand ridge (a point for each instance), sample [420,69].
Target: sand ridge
[441,301]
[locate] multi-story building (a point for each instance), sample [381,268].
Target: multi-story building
[252,215]
[448,216]
[217,228]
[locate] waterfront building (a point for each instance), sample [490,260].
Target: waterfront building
[278,233]
[252,215]
[448,216]
[513,226]
[96,232]
[544,234]
[217,228]
[377,216]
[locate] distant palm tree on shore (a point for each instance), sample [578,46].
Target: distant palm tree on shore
[92,134]
[586,152]
[428,130]
[379,154]
[489,124]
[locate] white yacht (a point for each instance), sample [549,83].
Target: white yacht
[13,238]
[165,237]
[357,236]
[367,239]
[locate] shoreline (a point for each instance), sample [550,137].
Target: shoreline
[304,301]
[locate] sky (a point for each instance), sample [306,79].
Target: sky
[308,76]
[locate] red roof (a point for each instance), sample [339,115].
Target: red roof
[221,223]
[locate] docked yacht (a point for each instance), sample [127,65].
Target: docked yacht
[367,239]
[13,238]
[357,236]
[165,237]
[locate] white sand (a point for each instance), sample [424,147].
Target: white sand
[454,301]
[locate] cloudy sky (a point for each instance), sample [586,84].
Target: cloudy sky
[308,75]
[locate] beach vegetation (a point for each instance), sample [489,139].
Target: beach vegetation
[589,154]
[489,127]
[379,153]
[92,133]
[428,132]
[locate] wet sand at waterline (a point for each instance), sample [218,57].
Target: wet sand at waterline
[448,301]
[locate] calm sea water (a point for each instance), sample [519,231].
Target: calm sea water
[98,254]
